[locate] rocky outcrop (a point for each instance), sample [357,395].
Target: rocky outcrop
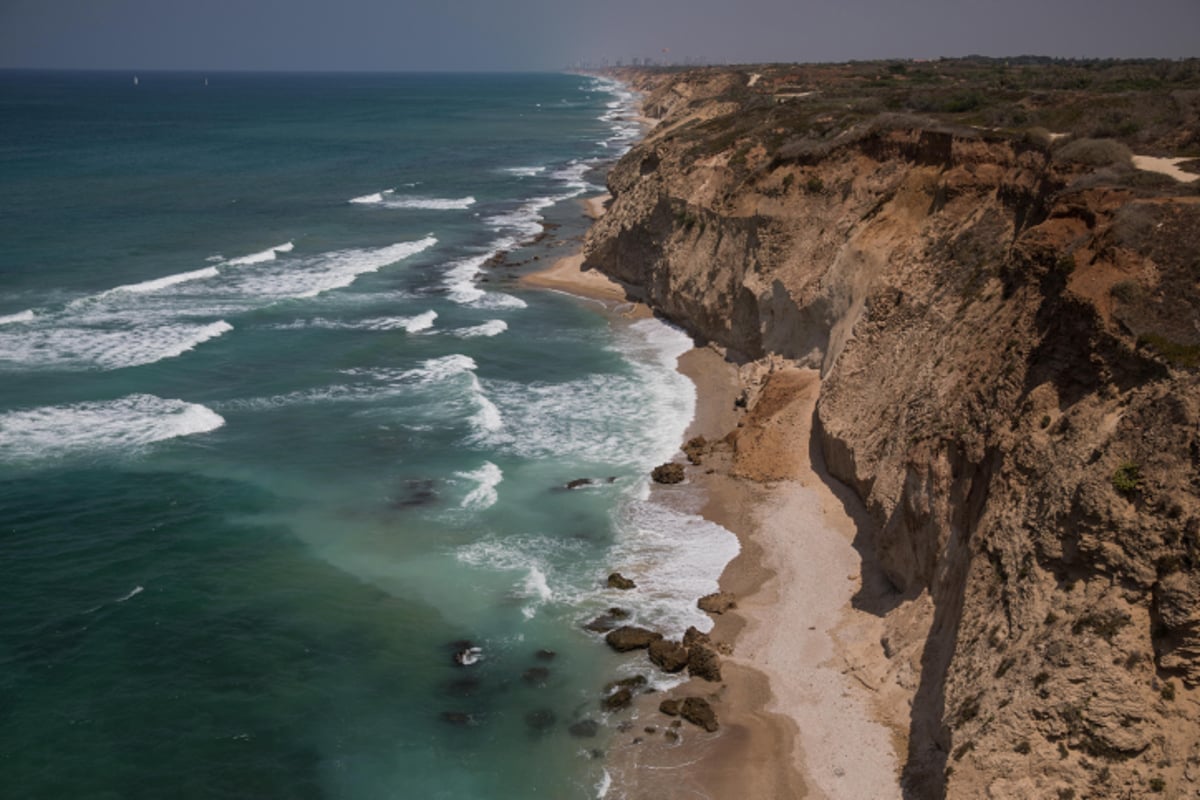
[667,473]
[668,656]
[631,637]
[697,711]
[717,602]
[1008,351]
[618,581]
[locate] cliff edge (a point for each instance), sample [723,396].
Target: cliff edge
[1005,314]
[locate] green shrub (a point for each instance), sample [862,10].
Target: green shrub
[1127,478]
[1023,747]
[815,184]
[1167,691]
[1157,784]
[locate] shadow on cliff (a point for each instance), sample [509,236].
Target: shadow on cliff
[878,595]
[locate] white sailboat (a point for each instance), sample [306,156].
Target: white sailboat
[135,80]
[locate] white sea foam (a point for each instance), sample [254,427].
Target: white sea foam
[603,785]
[484,495]
[413,324]
[429,203]
[21,316]
[70,347]
[312,275]
[264,255]
[132,593]
[377,197]
[127,424]
[525,172]
[531,558]
[158,284]
[493,327]
[487,419]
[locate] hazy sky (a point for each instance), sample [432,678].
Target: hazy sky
[547,34]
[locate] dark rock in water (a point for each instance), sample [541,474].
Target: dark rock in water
[692,636]
[541,720]
[417,493]
[718,602]
[669,472]
[617,700]
[695,449]
[697,711]
[650,729]
[579,482]
[704,663]
[545,655]
[670,707]
[607,621]
[618,581]
[634,682]
[631,637]
[625,727]
[611,479]
[464,687]
[584,729]
[469,655]
[459,718]
[672,734]
[536,676]
[668,656]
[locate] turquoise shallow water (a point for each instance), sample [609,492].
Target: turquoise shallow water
[273,438]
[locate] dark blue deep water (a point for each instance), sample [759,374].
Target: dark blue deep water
[274,435]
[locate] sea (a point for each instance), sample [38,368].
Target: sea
[284,444]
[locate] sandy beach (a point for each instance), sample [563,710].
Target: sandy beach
[799,705]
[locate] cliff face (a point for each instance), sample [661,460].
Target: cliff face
[1008,337]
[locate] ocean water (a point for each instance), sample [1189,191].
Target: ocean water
[276,440]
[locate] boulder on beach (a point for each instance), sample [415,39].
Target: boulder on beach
[670,707]
[697,711]
[717,602]
[607,621]
[618,581]
[668,656]
[695,449]
[693,636]
[669,472]
[704,663]
[631,637]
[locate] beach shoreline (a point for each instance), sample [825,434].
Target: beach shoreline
[796,702]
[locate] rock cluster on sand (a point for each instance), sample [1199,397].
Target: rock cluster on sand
[696,449]
[717,603]
[631,637]
[697,711]
[668,656]
[669,472]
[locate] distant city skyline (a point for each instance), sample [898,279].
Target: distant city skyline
[544,34]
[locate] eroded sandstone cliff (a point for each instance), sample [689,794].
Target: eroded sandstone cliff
[1008,332]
